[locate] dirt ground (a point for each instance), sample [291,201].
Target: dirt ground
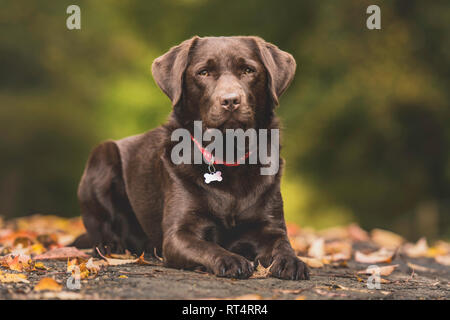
[157,282]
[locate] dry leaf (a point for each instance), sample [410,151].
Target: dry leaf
[13,277]
[312,262]
[445,260]
[317,249]
[383,271]
[96,265]
[261,272]
[386,239]
[117,262]
[356,233]
[40,266]
[420,249]
[62,254]
[379,256]
[20,262]
[338,250]
[141,260]
[416,267]
[48,284]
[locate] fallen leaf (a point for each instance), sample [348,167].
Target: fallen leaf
[141,260]
[312,262]
[40,266]
[261,272]
[96,265]
[48,284]
[356,233]
[338,250]
[317,249]
[123,277]
[386,239]
[13,277]
[117,262]
[62,254]
[416,267]
[19,262]
[445,260]
[300,298]
[383,271]
[126,255]
[379,256]
[419,249]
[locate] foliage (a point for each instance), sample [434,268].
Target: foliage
[366,120]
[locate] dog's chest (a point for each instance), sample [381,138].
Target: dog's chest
[239,202]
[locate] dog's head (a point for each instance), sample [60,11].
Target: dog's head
[226,82]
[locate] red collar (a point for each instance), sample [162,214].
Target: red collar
[208,156]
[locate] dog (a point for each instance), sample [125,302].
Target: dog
[132,196]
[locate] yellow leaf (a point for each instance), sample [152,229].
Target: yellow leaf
[40,266]
[13,277]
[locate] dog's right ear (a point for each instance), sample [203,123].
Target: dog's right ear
[168,69]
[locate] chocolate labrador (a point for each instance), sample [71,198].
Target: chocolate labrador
[134,197]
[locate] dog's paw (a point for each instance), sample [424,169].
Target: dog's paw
[233,266]
[289,268]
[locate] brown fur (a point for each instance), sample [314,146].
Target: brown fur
[133,197]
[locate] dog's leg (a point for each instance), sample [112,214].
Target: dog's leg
[192,243]
[106,211]
[272,245]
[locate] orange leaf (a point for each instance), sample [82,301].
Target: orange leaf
[48,284]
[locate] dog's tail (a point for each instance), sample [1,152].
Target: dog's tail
[82,242]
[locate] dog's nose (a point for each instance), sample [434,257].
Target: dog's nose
[230,101]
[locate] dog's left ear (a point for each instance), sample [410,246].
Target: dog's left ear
[280,67]
[168,70]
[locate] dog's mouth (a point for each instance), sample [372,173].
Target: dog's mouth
[230,120]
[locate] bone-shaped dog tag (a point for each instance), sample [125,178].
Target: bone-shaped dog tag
[216,176]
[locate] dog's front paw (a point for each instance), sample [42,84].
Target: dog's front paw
[233,266]
[289,268]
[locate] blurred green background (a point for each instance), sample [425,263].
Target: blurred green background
[366,120]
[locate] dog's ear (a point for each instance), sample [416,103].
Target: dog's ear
[168,69]
[280,67]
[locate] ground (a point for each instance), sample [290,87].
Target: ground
[157,282]
[36,260]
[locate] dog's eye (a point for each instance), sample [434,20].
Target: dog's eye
[203,73]
[248,70]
